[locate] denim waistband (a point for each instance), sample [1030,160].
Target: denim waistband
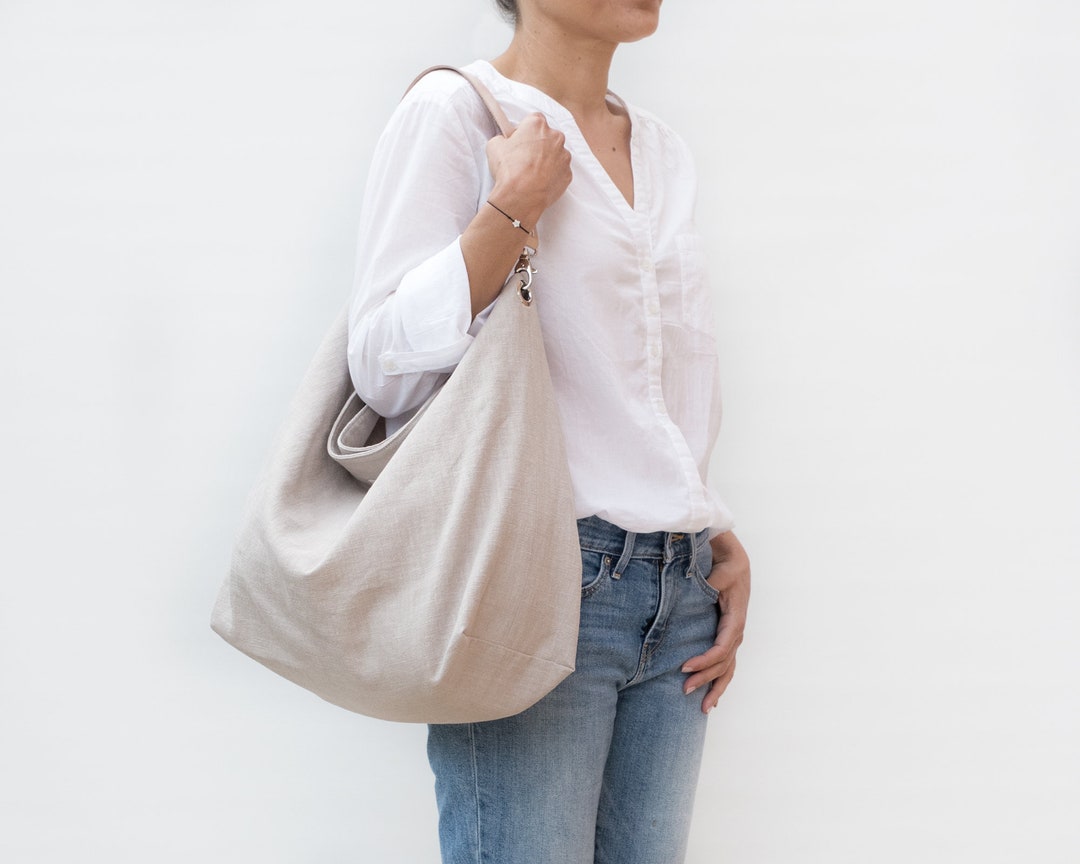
[597,535]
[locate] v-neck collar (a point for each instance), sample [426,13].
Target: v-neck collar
[570,128]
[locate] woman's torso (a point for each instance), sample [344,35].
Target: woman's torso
[624,309]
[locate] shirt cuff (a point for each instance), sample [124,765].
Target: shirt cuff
[434,308]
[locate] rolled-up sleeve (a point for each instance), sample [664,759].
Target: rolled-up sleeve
[410,319]
[434,311]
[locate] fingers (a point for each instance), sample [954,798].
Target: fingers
[536,123]
[715,667]
[717,688]
[533,132]
[729,636]
[730,576]
[717,675]
[530,167]
[707,667]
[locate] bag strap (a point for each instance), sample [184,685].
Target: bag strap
[523,270]
[498,116]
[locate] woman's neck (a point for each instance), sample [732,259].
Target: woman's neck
[573,72]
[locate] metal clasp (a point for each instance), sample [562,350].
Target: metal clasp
[524,271]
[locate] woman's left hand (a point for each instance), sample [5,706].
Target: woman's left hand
[731,577]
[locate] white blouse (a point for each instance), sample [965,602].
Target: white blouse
[620,291]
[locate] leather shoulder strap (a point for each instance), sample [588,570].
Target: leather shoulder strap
[498,116]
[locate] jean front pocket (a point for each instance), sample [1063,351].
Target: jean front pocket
[700,570]
[595,571]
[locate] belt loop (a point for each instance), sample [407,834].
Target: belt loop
[702,546]
[624,559]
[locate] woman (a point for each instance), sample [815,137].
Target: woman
[603,768]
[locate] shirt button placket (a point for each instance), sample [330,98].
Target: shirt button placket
[651,297]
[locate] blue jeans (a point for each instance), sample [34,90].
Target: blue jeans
[603,769]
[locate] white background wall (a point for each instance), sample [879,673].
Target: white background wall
[891,194]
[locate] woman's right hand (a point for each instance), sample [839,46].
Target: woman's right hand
[531,169]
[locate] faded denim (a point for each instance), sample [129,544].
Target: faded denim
[603,769]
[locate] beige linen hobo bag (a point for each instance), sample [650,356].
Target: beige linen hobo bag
[431,576]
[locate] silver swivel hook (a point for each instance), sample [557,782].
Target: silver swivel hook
[524,271]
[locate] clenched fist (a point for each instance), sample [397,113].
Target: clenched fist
[531,168]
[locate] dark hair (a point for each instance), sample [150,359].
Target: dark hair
[509,10]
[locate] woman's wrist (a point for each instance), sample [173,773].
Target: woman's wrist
[725,546]
[490,246]
[516,223]
[520,207]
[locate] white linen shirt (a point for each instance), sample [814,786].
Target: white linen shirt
[620,292]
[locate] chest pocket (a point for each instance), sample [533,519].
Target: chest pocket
[695,302]
[684,290]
